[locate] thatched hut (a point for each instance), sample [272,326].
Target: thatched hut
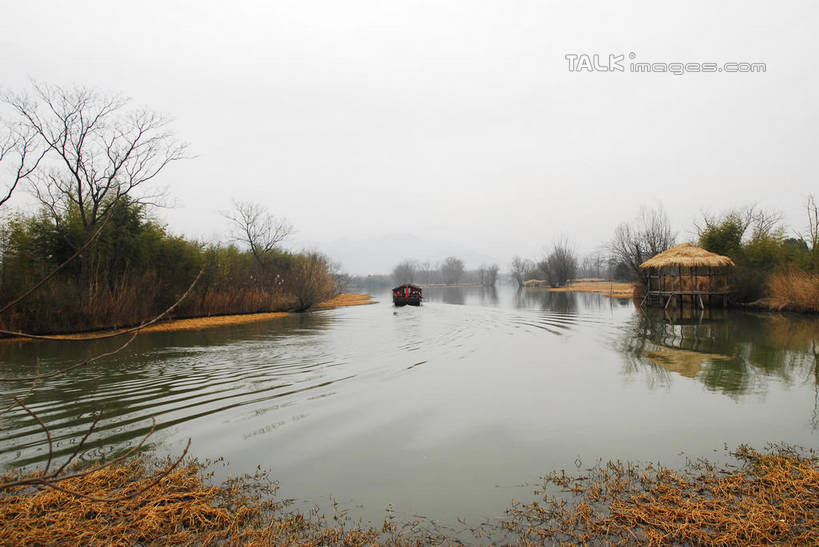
[687,273]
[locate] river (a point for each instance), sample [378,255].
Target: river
[449,410]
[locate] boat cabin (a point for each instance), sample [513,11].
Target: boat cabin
[407,293]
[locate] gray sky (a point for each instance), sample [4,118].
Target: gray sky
[455,122]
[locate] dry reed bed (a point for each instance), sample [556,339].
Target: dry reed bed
[182,509]
[613,289]
[773,498]
[793,290]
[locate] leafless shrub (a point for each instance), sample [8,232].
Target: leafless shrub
[451,270]
[635,242]
[521,269]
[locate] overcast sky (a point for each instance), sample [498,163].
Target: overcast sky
[455,122]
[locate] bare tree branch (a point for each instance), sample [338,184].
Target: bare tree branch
[20,143]
[634,243]
[100,151]
[255,227]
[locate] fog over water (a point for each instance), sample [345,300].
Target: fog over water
[455,123]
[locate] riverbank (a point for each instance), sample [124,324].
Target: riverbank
[769,497]
[196,323]
[612,289]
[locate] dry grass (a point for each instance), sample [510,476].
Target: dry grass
[793,290]
[686,255]
[348,299]
[613,289]
[196,323]
[772,499]
[183,509]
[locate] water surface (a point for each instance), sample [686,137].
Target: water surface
[449,410]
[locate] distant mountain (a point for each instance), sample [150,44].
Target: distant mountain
[378,255]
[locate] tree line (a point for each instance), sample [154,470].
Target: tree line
[91,162]
[450,271]
[771,262]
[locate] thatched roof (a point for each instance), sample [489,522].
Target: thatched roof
[686,255]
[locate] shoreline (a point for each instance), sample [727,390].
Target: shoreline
[611,289]
[197,323]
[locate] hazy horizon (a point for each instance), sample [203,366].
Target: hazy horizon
[458,124]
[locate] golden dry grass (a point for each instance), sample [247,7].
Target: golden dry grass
[348,299]
[793,290]
[613,289]
[182,509]
[772,499]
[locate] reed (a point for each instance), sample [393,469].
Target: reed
[793,290]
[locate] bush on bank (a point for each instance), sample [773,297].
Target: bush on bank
[136,269]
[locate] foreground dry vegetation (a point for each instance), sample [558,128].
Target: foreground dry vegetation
[773,497]
[184,508]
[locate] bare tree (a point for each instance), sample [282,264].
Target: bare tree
[488,275]
[425,271]
[521,269]
[561,264]
[451,270]
[97,151]
[592,266]
[405,272]
[255,227]
[635,242]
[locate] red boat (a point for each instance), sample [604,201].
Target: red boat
[407,294]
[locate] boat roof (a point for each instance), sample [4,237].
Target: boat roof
[410,285]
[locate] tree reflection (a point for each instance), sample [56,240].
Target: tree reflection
[558,302]
[732,352]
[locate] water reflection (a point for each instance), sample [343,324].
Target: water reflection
[558,302]
[732,352]
[173,376]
